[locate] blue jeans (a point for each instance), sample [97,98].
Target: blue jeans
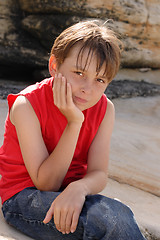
[101,217]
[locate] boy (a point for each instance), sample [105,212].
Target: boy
[54,158]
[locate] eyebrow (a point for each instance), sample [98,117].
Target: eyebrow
[104,77]
[78,67]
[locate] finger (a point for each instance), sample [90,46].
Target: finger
[69,94]
[75,219]
[54,88]
[63,92]
[49,215]
[57,88]
[69,221]
[63,216]
[57,215]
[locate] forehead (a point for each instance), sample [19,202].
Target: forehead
[76,52]
[85,58]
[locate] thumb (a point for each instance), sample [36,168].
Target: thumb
[48,216]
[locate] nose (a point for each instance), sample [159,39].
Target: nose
[86,86]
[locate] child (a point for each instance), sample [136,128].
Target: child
[54,158]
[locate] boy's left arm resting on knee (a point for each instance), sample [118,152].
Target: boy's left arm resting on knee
[98,156]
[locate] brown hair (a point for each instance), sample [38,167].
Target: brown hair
[97,39]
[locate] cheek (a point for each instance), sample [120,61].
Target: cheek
[72,80]
[99,90]
[98,94]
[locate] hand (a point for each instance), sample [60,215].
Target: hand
[66,209]
[62,94]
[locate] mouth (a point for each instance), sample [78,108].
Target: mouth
[79,100]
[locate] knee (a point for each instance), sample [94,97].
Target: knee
[108,216]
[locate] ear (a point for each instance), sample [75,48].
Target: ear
[52,65]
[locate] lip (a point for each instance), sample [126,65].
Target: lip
[80,100]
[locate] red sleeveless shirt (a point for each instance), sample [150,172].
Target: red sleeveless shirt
[12,168]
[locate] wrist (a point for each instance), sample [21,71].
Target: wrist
[81,187]
[75,125]
[76,121]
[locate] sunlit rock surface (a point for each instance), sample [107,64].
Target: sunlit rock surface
[28,28]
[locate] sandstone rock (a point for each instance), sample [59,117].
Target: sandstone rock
[143,204]
[44,27]
[126,10]
[135,146]
[144,74]
[49,6]
[135,22]
[153,12]
[123,10]
[140,53]
[140,44]
[8,11]
[16,48]
[28,28]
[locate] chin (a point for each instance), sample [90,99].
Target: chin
[80,107]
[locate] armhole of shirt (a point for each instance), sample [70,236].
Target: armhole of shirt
[11,99]
[105,105]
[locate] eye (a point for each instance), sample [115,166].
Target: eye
[100,80]
[78,73]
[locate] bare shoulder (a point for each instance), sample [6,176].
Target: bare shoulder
[20,101]
[110,112]
[106,127]
[21,109]
[110,107]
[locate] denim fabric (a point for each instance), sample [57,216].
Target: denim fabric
[101,217]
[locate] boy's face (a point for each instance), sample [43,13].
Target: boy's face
[87,86]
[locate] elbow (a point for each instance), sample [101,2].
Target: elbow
[47,187]
[103,179]
[44,182]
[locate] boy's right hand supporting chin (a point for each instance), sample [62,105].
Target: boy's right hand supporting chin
[62,93]
[66,208]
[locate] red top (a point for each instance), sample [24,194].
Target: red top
[14,173]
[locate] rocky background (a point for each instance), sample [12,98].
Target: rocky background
[28,29]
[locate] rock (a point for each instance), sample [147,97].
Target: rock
[28,29]
[130,88]
[44,27]
[49,6]
[140,44]
[139,53]
[124,10]
[143,204]
[7,87]
[144,74]
[16,48]
[135,146]
[153,12]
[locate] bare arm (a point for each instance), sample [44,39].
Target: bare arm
[70,202]
[47,172]
[98,157]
